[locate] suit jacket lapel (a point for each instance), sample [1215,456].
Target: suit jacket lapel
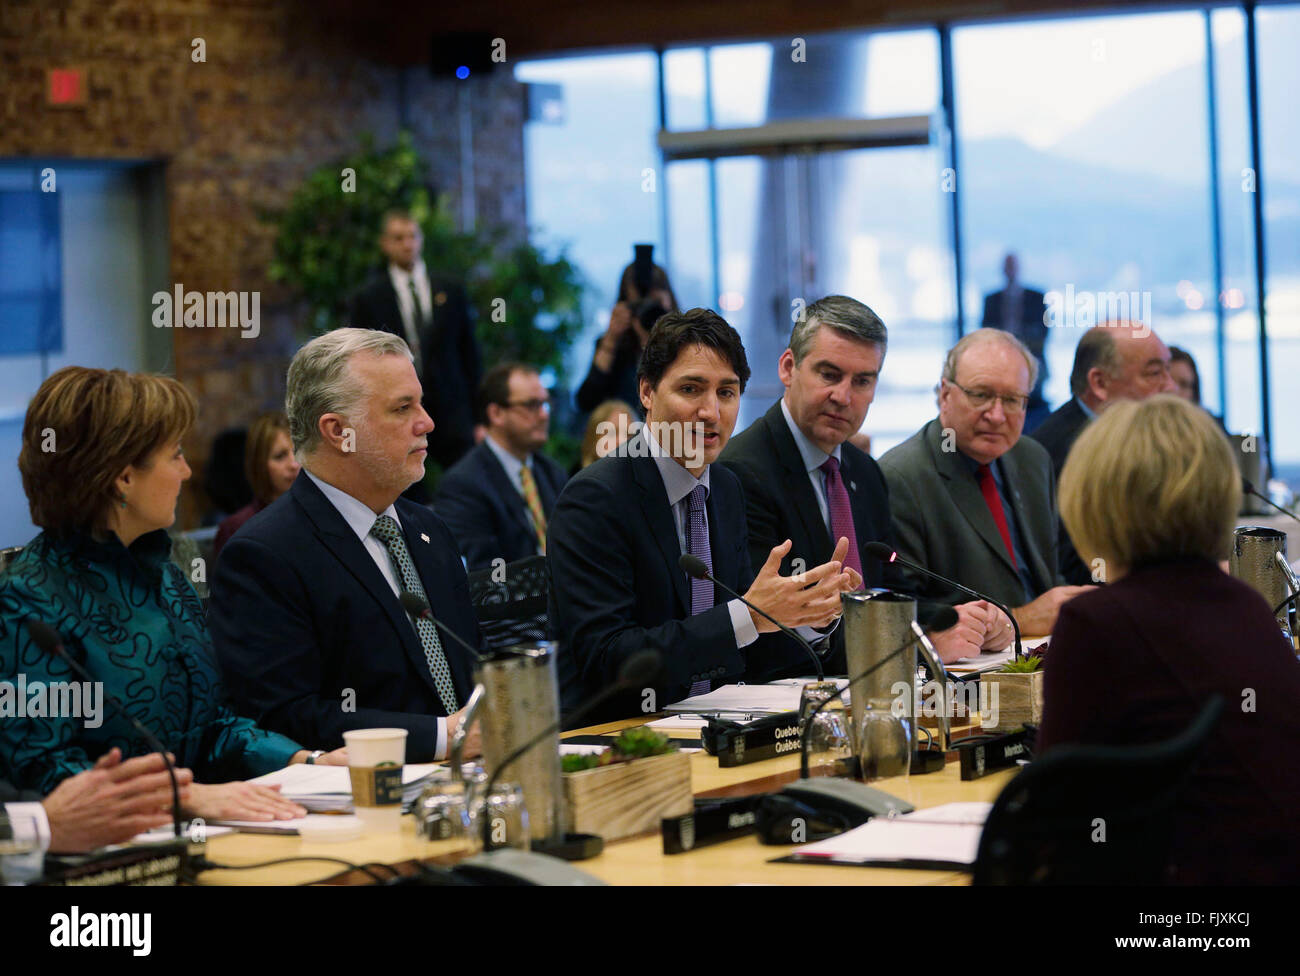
[1037,565]
[799,494]
[965,493]
[659,519]
[516,507]
[337,536]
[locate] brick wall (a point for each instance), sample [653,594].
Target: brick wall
[282,91]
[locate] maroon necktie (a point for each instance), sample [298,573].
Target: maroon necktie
[994,501]
[837,500]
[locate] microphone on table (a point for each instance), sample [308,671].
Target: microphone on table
[417,606]
[47,639]
[944,618]
[694,566]
[1250,489]
[639,669]
[878,550]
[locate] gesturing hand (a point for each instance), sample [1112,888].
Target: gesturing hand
[811,598]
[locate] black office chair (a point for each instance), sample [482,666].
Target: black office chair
[512,608]
[1047,826]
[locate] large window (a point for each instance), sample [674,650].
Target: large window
[1084,150]
[1278,41]
[1111,154]
[592,178]
[758,236]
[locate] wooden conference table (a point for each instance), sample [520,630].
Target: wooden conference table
[634,861]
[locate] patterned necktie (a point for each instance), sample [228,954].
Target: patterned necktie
[994,501]
[386,531]
[534,502]
[837,500]
[417,323]
[697,544]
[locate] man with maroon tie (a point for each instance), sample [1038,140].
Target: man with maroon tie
[974,501]
[805,482]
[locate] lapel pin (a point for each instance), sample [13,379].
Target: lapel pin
[423,537]
[853,486]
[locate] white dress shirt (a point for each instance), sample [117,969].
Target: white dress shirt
[19,813]
[401,280]
[361,519]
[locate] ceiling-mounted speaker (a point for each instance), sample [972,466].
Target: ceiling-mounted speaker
[464,55]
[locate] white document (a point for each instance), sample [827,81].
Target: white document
[746,700]
[678,723]
[948,833]
[304,779]
[992,662]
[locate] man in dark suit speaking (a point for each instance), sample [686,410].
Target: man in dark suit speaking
[305,613]
[432,314]
[622,525]
[497,498]
[805,482]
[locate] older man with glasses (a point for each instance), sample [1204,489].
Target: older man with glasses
[970,498]
[498,498]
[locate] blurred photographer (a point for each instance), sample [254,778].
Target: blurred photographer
[644,294]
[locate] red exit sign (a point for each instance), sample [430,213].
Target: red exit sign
[66,86]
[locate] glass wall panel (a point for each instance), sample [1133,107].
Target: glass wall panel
[1084,150]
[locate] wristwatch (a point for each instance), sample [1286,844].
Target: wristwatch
[311,760]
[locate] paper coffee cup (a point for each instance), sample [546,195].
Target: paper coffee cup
[375,760]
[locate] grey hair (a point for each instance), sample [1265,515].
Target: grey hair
[319,381]
[980,336]
[1097,347]
[847,316]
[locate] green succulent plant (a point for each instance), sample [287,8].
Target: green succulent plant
[637,743]
[1025,665]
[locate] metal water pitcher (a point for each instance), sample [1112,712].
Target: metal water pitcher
[520,700]
[1254,560]
[876,624]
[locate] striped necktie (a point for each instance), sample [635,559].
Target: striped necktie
[387,531]
[534,502]
[697,544]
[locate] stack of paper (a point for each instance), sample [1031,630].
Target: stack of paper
[741,700]
[985,663]
[938,837]
[323,789]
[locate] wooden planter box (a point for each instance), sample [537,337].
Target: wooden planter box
[1019,698]
[628,798]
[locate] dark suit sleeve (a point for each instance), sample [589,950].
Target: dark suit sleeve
[471,356]
[465,509]
[908,523]
[763,518]
[11,794]
[270,653]
[361,310]
[988,321]
[592,555]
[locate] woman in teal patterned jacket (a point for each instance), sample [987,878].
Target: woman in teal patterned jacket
[102,468]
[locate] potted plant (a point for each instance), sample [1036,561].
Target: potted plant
[527,303]
[628,788]
[1016,692]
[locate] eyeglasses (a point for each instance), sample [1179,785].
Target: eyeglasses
[983,399]
[532,406]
